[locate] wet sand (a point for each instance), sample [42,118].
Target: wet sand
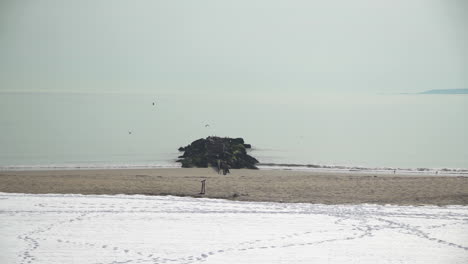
[247,185]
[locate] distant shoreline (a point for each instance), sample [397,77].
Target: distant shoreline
[361,169]
[446,91]
[263,166]
[247,185]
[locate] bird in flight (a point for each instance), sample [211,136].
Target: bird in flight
[207,125]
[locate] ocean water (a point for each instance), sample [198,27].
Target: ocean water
[126,130]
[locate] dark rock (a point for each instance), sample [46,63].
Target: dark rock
[236,141]
[207,152]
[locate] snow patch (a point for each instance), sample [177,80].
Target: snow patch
[109,229]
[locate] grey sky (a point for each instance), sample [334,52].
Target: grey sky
[243,45]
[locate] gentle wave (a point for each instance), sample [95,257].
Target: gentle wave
[262,166]
[85,166]
[359,169]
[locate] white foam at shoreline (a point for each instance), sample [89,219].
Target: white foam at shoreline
[85,167]
[268,166]
[365,170]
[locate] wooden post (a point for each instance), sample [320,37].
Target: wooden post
[202,187]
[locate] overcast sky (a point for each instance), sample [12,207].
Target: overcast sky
[366,46]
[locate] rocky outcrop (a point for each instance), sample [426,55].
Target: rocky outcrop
[214,150]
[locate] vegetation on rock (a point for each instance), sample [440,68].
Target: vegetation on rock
[215,150]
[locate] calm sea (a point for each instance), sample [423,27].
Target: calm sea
[125,130]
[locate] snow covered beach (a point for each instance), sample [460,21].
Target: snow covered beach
[66,228]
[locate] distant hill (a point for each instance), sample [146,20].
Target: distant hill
[447,91]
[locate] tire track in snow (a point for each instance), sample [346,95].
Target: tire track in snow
[412,230]
[32,242]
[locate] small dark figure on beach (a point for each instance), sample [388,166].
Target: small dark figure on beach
[225,167]
[394,171]
[202,187]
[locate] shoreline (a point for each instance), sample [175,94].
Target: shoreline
[449,172]
[247,185]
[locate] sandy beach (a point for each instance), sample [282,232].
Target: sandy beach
[247,185]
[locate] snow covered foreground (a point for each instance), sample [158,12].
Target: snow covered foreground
[142,229]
